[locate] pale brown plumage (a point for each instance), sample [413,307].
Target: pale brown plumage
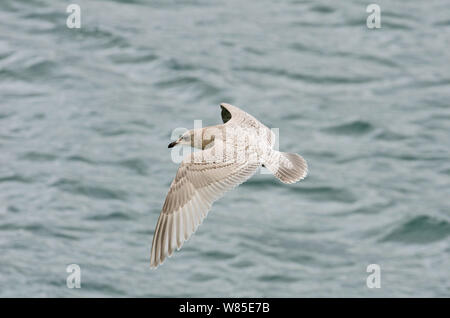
[203,177]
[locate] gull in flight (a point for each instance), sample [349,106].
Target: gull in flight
[230,154]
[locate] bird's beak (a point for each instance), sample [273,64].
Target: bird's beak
[172,144]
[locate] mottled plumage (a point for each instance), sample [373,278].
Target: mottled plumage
[231,153]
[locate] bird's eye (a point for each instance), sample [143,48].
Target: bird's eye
[186,137]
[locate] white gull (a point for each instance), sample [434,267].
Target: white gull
[231,153]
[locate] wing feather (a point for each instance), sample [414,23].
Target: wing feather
[195,187]
[232,115]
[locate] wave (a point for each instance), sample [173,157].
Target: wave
[321,8]
[419,230]
[92,191]
[38,156]
[24,70]
[357,127]
[325,193]
[120,216]
[325,79]
[388,135]
[137,165]
[15,178]
[38,229]
[277,278]
[199,87]
[132,58]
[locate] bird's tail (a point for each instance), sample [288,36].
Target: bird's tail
[288,167]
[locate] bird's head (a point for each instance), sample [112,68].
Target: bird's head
[184,139]
[197,138]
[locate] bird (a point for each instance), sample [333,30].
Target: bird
[228,154]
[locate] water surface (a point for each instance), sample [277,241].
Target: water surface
[86,116]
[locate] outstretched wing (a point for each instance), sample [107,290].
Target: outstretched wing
[230,112]
[196,186]
[236,116]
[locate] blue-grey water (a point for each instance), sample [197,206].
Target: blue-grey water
[86,116]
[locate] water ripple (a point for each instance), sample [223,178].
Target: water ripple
[422,229]
[92,191]
[357,127]
[310,78]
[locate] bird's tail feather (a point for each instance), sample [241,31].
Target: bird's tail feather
[287,167]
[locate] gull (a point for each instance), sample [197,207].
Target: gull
[228,155]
